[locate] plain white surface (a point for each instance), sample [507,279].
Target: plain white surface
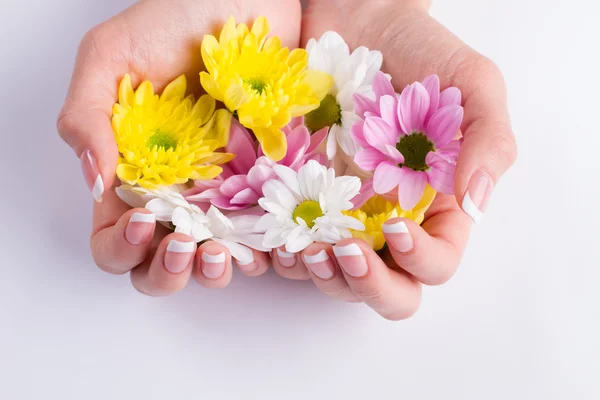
[518,321]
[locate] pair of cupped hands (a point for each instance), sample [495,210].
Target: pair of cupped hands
[158,40]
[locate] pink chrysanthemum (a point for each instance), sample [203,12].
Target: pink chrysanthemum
[240,184]
[407,139]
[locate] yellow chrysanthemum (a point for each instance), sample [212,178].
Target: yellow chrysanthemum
[377,210]
[266,84]
[168,139]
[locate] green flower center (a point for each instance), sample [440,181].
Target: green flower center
[161,139]
[256,84]
[328,114]
[414,148]
[308,210]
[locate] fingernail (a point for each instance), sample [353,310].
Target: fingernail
[179,255]
[92,176]
[213,266]
[399,236]
[351,259]
[320,264]
[139,228]
[477,196]
[246,265]
[286,259]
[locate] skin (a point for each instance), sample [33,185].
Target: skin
[414,45]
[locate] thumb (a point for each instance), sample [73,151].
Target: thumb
[84,123]
[489,146]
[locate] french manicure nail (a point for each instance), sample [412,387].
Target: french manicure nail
[246,265]
[320,264]
[478,193]
[286,259]
[213,266]
[399,236]
[139,228]
[92,176]
[179,255]
[351,259]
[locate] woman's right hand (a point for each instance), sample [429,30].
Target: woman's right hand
[155,40]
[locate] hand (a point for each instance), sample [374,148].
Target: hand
[155,40]
[414,45]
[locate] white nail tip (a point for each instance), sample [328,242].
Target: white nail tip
[98,189]
[141,217]
[317,258]
[471,209]
[209,258]
[349,250]
[284,254]
[181,247]
[398,227]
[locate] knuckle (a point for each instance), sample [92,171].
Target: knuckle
[505,147]
[370,294]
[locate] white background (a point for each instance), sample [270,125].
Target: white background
[519,320]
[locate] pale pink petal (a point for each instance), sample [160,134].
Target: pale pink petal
[363,104]
[224,203]
[432,84]
[377,131]
[316,139]
[203,196]
[440,173]
[241,144]
[386,177]
[450,97]
[366,192]
[388,106]
[444,125]
[258,175]
[413,108]
[392,153]
[368,159]
[382,85]
[293,124]
[357,133]
[297,142]
[450,151]
[331,146]
[245,197]
[233,185]
[411,188]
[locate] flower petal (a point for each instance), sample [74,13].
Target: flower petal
[382,85]
[440,173]
[392,153]
[281,194]
[366,192]
[233,185]
[161,208]
[450,96]
[411,188]
[369,159]
[388,106]
[242,145]
[386,177]
[246,197]
[432,85]
[272,141]
[289,177]
[258,175]
[444,125]
[413,108]
[362,105]
[377,132]
[298,239]
[357,133]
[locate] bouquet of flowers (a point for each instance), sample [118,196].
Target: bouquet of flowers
[288,147]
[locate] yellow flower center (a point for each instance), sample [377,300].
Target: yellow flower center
[328,114]
[414,148]
[256,84]
[308,210]
[161,139]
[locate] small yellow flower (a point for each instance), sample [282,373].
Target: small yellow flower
[377,210]
[266,84]
[168,139]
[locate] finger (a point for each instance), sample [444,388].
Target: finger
[325,273]
[169,270]
[288,265]
[258,266]
[212,265]
[395,295]
[121,237]
[431,252]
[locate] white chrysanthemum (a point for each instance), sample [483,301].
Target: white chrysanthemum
[352,73]
[237,232]
[306,207]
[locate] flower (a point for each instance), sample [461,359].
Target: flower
[240,185]
[237,232]
[168,139]
[407,141]
[306,206]
[264,83]
[352,73]
[377,210]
